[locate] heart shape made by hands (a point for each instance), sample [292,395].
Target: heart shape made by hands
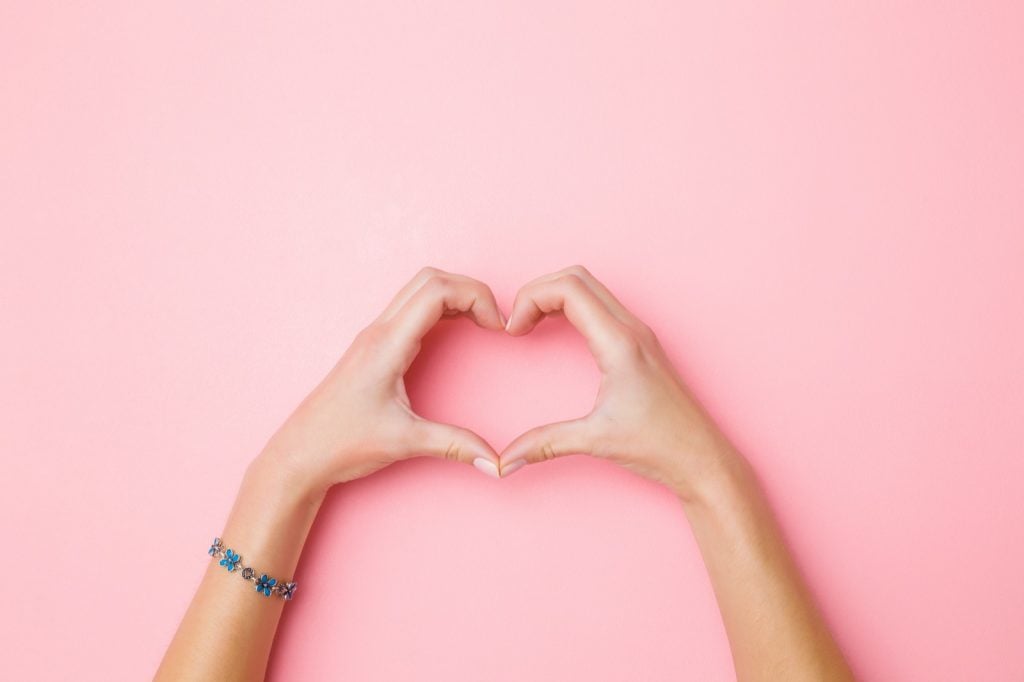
[500,385]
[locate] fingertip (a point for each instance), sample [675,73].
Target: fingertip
[487,313]
[492,320]
[487,467]
[509,468]
[483,457]
[516,325]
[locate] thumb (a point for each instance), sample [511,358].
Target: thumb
[546,442]
[447,441]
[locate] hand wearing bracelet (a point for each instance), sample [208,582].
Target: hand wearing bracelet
[356,421]
[359,418]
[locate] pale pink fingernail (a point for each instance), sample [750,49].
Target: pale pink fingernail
[486,466]
[504,322]
[512,467]
[508,322]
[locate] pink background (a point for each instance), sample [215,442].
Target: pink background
[819,208]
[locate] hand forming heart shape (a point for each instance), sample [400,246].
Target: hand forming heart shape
[359,418]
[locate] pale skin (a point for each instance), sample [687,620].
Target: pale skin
[359,420]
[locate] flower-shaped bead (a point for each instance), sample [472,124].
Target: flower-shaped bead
[230,560]
[287,590]
[215,547]
[265,585]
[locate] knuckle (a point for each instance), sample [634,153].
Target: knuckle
[529,293]
[452,451]
[572,282]
[477,288]
[646,332]
[438,284]
[625,347]
[547,451]
[578,271]
[379,343]
[427,271]
[374,333]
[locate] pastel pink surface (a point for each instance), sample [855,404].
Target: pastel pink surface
[818,208]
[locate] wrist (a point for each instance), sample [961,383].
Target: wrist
[721,471]
[279,476]
[271,517]
[289,471]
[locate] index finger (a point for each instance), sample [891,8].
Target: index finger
[424,275]
[606,335]
[439,296]
[600,290]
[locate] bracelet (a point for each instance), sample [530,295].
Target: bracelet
[266,585]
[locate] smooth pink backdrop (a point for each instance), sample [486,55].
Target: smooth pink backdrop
[819,207]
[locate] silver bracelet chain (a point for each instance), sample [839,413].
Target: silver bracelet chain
[265,585]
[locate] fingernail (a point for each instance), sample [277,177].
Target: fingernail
[504,322]
[508,322]
[512,467]
[486,466]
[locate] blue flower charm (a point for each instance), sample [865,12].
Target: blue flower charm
[287,590]
[230,560]
[215,547]
[265,585]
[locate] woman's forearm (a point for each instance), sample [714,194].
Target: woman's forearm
[646,419]
[356,421]
[775,630]
[228,630]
